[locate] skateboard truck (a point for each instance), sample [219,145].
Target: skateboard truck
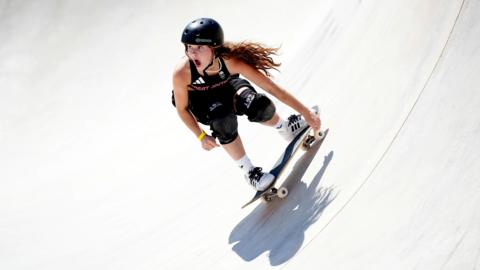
[281,193]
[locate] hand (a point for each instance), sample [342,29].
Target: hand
[313,120]
[209,142]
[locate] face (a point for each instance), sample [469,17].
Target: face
[201,55]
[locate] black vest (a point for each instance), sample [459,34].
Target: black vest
[204,83]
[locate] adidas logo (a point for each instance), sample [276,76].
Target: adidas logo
[199,81]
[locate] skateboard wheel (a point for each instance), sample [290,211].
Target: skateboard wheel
[282,192]
[320,135]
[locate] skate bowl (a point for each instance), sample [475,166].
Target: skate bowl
[98,172]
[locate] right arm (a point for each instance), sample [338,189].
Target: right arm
[180,90]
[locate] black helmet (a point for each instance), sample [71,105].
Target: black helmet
[203,31]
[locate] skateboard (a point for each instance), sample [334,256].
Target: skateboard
[305,139]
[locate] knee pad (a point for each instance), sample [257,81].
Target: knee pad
[238,83]
[225,128]
[258,107]
[262,109]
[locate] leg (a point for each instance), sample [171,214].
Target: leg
[272,122]
[258,107]
[224,128]
[235,149]
[253,175]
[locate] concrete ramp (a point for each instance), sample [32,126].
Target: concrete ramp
[98,172]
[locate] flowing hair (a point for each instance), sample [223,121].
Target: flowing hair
[254,54]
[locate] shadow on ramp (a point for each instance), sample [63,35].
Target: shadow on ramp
[279,226]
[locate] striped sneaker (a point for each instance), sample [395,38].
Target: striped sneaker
[290,128]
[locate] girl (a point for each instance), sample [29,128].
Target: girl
[208,90]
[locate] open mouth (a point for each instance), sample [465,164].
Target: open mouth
[197,62]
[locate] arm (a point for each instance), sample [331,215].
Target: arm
[258,78]
[180,91]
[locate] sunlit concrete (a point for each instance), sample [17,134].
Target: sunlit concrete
[98,172]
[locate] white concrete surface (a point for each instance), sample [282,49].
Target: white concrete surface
[98,172]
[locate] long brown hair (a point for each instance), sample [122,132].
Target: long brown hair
[254,54]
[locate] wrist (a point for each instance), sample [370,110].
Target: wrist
[201,136]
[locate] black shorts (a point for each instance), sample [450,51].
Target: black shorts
[212,104]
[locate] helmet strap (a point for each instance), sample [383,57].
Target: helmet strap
[211,63]
[205,69]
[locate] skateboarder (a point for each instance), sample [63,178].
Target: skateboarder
[208,90]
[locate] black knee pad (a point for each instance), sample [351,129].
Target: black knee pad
[238,83]
[225,128]
[258,107]
[262,109]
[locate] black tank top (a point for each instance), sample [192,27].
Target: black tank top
[207,92]
[210,82]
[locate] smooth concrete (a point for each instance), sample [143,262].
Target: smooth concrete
[98,172]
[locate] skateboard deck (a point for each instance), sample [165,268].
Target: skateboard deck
[304,139]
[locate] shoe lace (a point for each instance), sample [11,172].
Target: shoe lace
[254,175]
[292,119]
[294,122]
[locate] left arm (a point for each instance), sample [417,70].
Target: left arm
[258,78]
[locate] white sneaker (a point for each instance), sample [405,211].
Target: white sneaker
[258,179]
[290,129]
